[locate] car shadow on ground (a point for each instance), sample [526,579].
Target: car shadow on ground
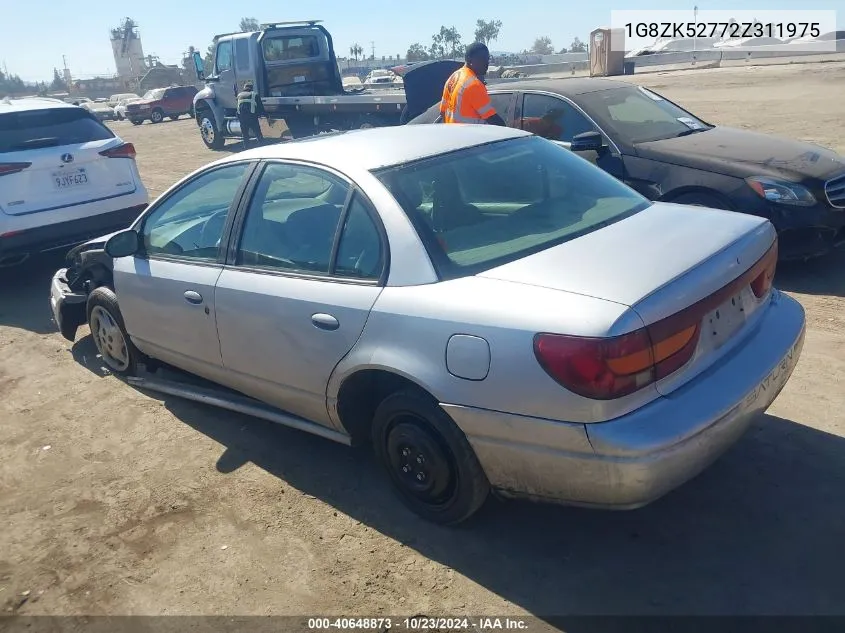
[25,293]
[823,276]
[757,533]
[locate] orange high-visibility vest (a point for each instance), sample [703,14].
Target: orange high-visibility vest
[465,99]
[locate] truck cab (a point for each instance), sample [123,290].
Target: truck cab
[295,72]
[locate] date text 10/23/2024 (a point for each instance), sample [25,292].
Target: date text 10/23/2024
[419,623]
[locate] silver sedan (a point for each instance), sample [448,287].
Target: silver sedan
[490,310]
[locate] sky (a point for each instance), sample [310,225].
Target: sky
[31,47]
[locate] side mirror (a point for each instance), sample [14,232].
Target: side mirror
[199,66]
[123,244]
[587,142]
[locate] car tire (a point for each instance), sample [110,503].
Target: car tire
[701,199]
[137,121]
[174,117]
[157,116]
[209,132]
[109,332]
[428,459]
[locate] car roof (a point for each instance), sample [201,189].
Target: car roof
[566,86]
[374,148]
[32,103]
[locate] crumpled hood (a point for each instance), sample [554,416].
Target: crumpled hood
[743,153]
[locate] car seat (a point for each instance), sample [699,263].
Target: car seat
[449,211]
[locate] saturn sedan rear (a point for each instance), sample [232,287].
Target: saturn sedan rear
[492,311]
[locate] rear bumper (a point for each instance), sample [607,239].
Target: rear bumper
[64,234]
[633,460]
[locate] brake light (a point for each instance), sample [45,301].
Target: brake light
[762,283]
[12,168]
[608,368]
[127,150]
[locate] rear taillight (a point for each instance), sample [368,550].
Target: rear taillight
[12,168]
[127,150]
[608,368]
[762,283]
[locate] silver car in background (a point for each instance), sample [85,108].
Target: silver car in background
[490,310]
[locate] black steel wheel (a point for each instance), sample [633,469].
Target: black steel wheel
[428,459]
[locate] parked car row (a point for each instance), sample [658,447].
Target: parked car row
[669,154]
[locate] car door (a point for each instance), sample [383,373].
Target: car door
[166,291]
[559,120]
[306,269]
[224,69]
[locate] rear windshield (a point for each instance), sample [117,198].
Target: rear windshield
[20,131]
[485,206]
[287,47]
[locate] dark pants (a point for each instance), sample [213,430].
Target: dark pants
[250,127]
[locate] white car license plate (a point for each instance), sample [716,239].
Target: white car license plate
[70,179]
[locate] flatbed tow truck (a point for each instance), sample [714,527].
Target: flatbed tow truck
[295,71]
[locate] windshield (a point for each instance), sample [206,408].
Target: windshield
[158,93]
[31,129]
[638,115]
[485,206]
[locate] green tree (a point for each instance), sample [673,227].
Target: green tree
[249,24]
[577,46]
[416,53]
[58,83]
[446,43]
[487,31]
[542,46]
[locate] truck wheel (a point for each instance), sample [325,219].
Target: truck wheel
[106,323]
[157,116]
[211,136]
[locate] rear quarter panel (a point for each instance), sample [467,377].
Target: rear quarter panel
[409,329]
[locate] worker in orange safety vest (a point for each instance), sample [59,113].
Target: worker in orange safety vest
[465,98]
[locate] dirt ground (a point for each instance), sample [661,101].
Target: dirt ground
[115,501]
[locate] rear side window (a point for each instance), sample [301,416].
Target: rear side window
[20,131]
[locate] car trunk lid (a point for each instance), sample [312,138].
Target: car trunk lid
[667,263]
[59,154]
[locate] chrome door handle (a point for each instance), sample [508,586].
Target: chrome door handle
[325,321]
[193,297]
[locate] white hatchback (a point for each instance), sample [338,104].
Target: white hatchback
[64,178]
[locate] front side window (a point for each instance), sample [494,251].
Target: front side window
[553,118]
[292,219]
[224,56]
[190,222]
[639,115]
[502,104]
[485,206]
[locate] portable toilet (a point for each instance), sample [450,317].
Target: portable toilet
[607,52]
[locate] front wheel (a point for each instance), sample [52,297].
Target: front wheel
[428,459]
[211,136]
[109,332]
[157,116]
